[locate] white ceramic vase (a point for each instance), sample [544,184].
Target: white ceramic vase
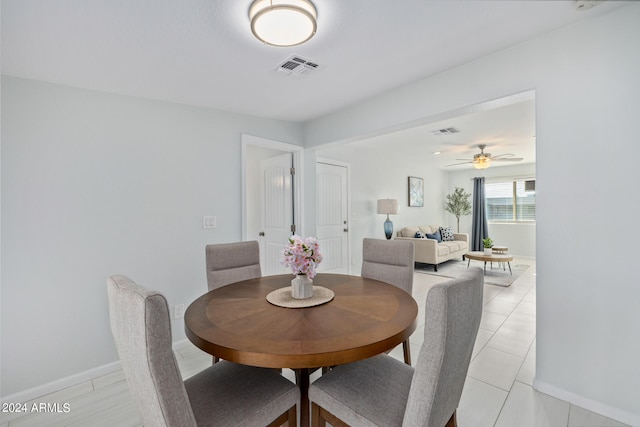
[488,251]
[302,287]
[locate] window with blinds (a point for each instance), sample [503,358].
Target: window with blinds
[510,201]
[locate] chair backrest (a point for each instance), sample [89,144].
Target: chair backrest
[390,261]
[452,318]
[232,262]
[141,328]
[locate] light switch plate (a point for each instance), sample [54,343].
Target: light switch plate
[209,222]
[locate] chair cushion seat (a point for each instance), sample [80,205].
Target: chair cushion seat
[221,395]
[371,392]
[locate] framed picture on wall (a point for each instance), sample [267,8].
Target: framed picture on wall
[416,191]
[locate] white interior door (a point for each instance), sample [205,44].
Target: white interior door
[332,216]
[276,206]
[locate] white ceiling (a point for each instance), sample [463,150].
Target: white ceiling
[202,52]
[508,128]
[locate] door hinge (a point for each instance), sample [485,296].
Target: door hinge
[292,171]
[293,228]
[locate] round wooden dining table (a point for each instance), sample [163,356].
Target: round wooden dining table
[236,323]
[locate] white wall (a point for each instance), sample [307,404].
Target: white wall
[520,238]
[380,171]
[588,103]
[96,184]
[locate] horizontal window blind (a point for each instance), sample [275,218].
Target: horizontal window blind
[508,201]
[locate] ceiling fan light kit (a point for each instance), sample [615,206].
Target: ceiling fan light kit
[483,160]
[482,163]
[283,22]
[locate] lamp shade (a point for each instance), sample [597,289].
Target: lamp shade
[387,206]
[283,22]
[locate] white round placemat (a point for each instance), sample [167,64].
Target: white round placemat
[282,297]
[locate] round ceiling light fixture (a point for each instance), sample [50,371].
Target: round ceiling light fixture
[283,22]
[482,162]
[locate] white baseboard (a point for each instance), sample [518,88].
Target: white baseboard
[61,384]
[181,344]
[617,414]
[72,380]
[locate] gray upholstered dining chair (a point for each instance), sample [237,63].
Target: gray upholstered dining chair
[224,394]
[390,261]
[397,394]
[232,262]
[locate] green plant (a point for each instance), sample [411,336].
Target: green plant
[458,204]
[488,243]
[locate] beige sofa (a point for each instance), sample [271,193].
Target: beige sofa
[429,251]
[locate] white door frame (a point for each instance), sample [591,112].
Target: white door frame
[298,203]
[349,234]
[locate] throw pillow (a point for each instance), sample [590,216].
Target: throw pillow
[447,234]
[419,235]
[435,236]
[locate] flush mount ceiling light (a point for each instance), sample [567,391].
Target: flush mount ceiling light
[283,22]
[586,4]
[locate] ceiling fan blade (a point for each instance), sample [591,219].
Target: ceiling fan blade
[504,155]
[466,160]
[457,164]
[507,159]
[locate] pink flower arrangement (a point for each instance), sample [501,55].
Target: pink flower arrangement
[302,255]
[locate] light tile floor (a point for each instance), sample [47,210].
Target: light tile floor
[498,391]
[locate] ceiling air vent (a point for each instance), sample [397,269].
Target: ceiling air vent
[296,65]
[445,131]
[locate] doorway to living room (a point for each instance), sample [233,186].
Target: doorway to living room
[382,164]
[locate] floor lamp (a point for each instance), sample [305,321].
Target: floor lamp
[388,207]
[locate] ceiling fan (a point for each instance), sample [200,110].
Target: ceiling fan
[483,160]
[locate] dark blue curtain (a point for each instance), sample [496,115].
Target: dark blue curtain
[479,227]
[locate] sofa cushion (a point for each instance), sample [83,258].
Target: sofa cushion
[442,250]
[429,228]
[454,245]
[435,236]
[409,231]
[425,229]
[447,234]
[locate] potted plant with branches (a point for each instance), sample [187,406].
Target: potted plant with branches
[458,204]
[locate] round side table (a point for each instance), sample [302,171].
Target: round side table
[500,250]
